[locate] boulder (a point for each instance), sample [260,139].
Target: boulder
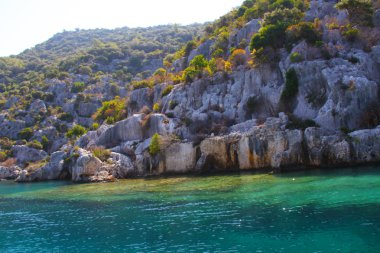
[123,166]
[88,168]
[9,172]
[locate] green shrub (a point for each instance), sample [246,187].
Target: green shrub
[65,116]
[95,126]
[360,11]
[296,57]
[189,47]
[291,85]
[114,89]
[238,57]
[199,62]
[284,16]
[154,146]
[35,144]
[271,35]
[302,31]
[351,34]
[189,74]
[110,120]
[3,156]
[167,90]
[6,143]
[156,107]
[78,87]
[142,84]
[45,142]
[26,133]
[76,131]
[112,111]
[172,104]
[101,153]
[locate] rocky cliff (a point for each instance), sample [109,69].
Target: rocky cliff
[239,118]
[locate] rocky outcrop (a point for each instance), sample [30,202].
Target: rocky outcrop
[137,127]
[25,154]
[180,158]
[9,172]
[11,128]
[51,171]
[366,145]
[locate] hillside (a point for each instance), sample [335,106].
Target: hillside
[272,84]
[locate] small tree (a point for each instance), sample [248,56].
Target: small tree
[154,146]
[199,62]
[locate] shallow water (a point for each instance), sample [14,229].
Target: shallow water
[314,211]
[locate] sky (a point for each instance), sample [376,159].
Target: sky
[25,23]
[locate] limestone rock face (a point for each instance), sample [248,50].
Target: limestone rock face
[123,166]
[180,158]
[140,98]
[366,145]
[203,49]
[10,128]
[126,130]
[87,167]
[219,153]
[9,172]
[137,128]
[25,154]
[87,109]
[330,90]
[51,171]
[244,33]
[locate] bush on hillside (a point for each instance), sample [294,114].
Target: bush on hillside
[360,11]
[302,31]
[25,133]
[112,111]
[78,87]
[76,131]
[101,153]
[238,57]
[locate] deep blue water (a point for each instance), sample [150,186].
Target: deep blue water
[315,211]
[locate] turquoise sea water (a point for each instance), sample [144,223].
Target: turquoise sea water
[314,211]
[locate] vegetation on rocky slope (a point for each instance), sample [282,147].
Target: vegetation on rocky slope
[52,94]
